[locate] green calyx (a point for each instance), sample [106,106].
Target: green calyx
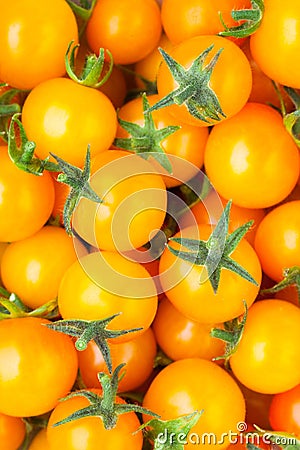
[92,73]
[146,140]
[21,150]
[194,89]
[104,406]
[291,120]
[231,334]
[291,277]
[214,254]
[78,180]
[250,18]
[86,330]
[8,107]
[170,434]
[82,9]
[12,307]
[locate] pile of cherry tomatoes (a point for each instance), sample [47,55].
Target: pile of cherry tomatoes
[149,224]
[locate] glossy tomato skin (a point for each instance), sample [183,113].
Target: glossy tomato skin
[12,432]
[28,58]
[276,43]
[263,89]
[32,268]
[233,158]
[63,117]
[195,384]
[148,66]
[181,338]
[231,78]
[183,20]
[195,299]
[26,200]
[277,240]
[268,356]
[80,297]
[42,366]
[238,216]
[134,201]
[138,354]
[89,431]
[110,23]
[187,143]
[284,412]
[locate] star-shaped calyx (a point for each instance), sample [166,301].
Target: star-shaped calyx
[104,406]
[146,140]
[87,330]
[194,90]
[214,254]
[78,180]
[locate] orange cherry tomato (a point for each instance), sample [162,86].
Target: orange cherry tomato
[276,44]
[38,366]
[90,430]
[195,384]
[181,338]
[139,353]
[231,77]
[189,290]
[56,117]
[277,241]
[12,432]
[110,23]
[32,268]
[26,200]
[183,20]
[82,298]
[267,359]
[284,411]
[28,58]
[233,161]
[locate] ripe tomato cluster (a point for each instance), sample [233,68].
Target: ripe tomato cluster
[149,224]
